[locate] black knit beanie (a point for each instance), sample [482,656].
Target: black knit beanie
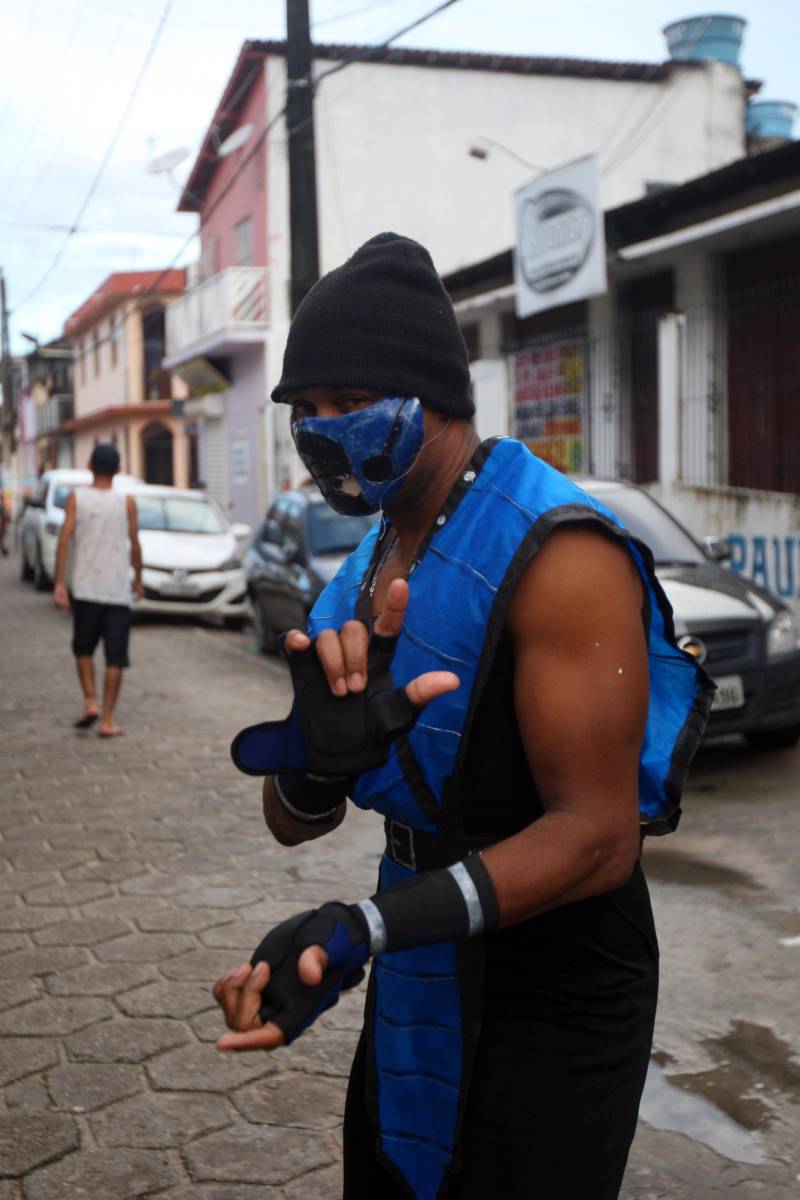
[382,320]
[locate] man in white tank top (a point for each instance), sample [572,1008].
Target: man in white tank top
[101,523]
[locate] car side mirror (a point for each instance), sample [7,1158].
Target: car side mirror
[241,531]
[717,548]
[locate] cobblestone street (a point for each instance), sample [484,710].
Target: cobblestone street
[134,872]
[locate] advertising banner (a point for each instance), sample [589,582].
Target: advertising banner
[548,402]
[560,255]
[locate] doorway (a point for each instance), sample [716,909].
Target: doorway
[157,453]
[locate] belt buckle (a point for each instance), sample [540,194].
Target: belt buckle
[401,844]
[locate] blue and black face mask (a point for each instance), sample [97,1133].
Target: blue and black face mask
[359,460]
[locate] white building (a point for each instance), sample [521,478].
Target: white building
[394,133]
[685,377]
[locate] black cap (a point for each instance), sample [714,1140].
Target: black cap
[105,459]
[382,320]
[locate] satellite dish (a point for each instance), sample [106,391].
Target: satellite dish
[167,162]
[235,142]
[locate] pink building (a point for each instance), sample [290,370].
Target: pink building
[122,393]
[216,335]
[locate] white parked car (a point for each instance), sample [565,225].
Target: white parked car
[191,555]
[43,516]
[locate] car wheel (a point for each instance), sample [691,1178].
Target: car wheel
[40,579]
[25,569]
[234,622]
[265,634]
[774,739]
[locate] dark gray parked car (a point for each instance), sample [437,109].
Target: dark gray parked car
[746,638]
[295,553]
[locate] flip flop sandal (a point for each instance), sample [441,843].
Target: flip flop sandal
[87,721]
[111,733]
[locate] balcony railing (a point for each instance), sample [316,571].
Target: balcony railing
[53,413]
[228,310]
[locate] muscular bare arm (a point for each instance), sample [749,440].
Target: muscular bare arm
[581,695]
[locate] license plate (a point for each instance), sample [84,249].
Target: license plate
[729,693]
[177,589]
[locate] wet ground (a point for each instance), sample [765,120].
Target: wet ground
[133,873]
[721,1111]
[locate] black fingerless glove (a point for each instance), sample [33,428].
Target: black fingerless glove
[326,734]
[288,1002]
[434,906]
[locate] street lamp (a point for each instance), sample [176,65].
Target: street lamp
[480,151]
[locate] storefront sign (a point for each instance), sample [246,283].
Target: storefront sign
[560,254]
[548,400]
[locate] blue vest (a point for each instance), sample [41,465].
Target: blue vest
[498,515]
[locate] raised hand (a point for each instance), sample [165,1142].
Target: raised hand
[343,655]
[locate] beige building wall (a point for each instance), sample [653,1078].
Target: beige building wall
[109,374]
[101,364]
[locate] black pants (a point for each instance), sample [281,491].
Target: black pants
[569,1009]
[92,621]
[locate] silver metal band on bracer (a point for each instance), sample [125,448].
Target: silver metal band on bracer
[471,898]
[378,938]
[298,814]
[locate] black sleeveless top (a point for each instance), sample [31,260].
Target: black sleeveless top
[496,788]
[599,954]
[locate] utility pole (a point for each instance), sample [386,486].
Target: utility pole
[8,414]
[302,167]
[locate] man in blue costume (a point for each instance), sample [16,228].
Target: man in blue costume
[494,671]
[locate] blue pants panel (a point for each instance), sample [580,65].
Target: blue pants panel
[418,1044]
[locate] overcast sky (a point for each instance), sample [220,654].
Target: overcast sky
[68,67]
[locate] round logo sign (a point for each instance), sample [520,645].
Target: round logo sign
[556,235]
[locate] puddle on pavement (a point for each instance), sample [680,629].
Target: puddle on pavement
[673,867]
[767,1058]
[669,1108]
[720,1107]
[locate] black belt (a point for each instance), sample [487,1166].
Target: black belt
[422,850]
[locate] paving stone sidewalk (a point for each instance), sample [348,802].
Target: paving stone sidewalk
[133,873]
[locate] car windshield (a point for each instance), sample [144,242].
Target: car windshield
[646,521]
[330,532]
[179,514]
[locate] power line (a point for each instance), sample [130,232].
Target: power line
[240,168]
[54,81]
[109,151]
[45,227]
[359,56]
[21,55]
[83,103]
